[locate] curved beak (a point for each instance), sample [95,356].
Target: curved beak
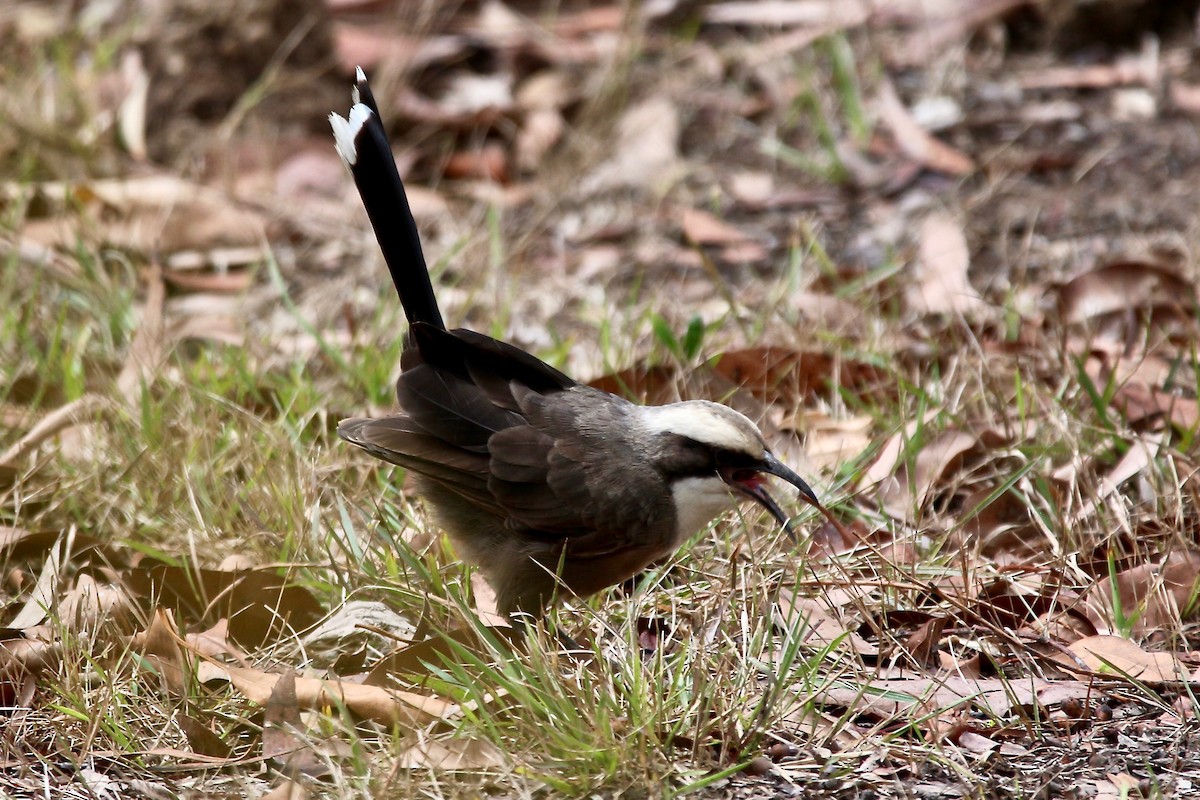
[756,490]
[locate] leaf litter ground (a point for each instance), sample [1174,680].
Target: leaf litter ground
[945,254]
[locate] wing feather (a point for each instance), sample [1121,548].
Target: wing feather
[509,435]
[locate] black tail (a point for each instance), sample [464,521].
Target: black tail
[363,145]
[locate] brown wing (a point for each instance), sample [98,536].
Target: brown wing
[558,477]
[499,428]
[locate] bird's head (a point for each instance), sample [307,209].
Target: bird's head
[709,452]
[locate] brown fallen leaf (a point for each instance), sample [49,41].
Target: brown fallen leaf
[829,441]
[41,599]
[940,284]
[811,617]
[1122,286]
[22,544]
[231,281]
[414,659]
[89,604]
[485,603]
[1118,656]
[700,227]
[914,141]
[282,745]
[449,755]
[922,644]
[787,13]
[202,738]
[654,385]
[996,696]
[489,162]
[542,129]
[158,213]
[796,376]
[1185,96]
[162,650]
[1156,597]
[258,604]
[77,412]
[370,47]
[23,660]
[911,488]
[936,32]
[645,152]
[1139,403]
[1141,69]
[143,360]
[389,706]
[287,790]
[974,743]
[1141,453]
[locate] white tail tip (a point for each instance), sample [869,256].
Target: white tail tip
[345,131]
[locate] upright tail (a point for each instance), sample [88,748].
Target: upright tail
[363,145]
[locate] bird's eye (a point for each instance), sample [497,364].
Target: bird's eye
[731,458]
[744,475]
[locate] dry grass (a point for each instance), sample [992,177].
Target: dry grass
[1019,497]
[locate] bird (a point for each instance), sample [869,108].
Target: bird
[548,486]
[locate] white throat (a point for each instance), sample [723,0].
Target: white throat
[698,501]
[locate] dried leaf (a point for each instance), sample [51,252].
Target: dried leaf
[776,13]
[922,644]
[1122,286]
[222,281]
[1136,459]
[437,650]
[1185,96]
[542,129]
[290,753]
[88,605]
[131,117]
[910,489]
[1115,655]
[389,706]
[1156,597]
[143,361]
[203,739]
[161,648]
[817,626]
[41,599]
[943,27]
[76,412]
[914,141]
[489,163]
[652,385]
[701,227]
[257,603]
[829,442]
[794,376]
[287,790]
[1140,69]
[994,696]
[377,46]
[940,284]
[645,151]
[21,663]
[152,214]
[452,754]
